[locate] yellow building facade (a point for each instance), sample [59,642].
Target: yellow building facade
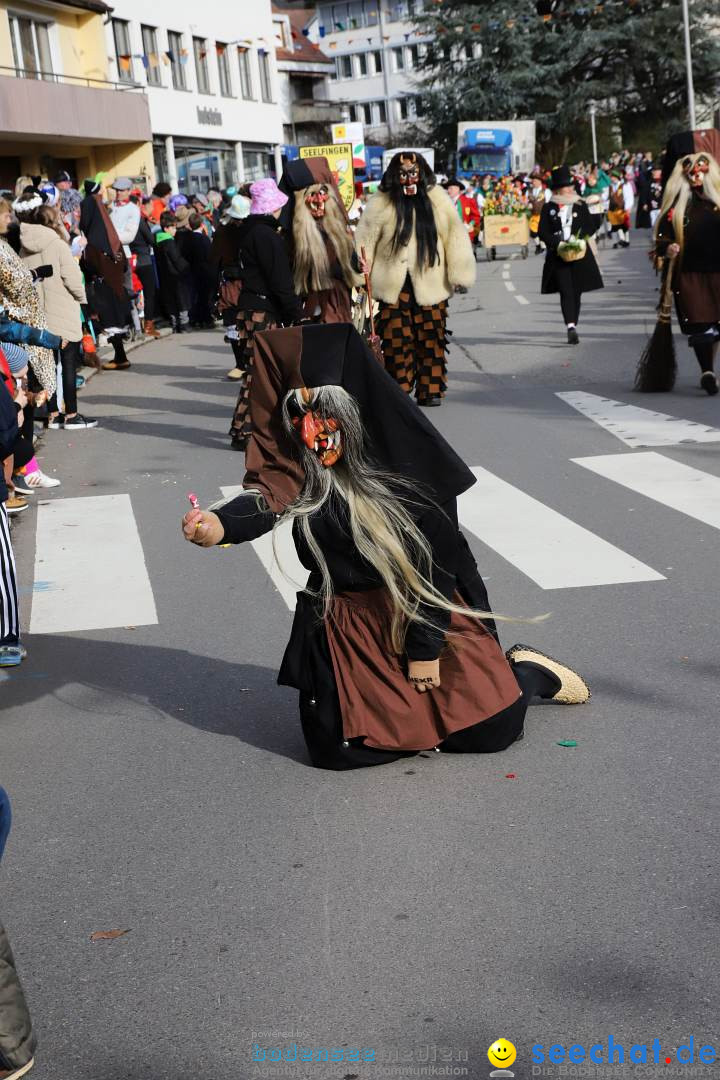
[58,107]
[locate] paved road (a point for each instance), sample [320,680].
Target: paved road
[159,777]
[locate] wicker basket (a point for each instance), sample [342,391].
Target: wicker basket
[572,254]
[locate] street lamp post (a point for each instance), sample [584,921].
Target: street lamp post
[593,113]
[688,63]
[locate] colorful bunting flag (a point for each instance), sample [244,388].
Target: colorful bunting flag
[124,62]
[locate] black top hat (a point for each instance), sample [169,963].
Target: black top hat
[561,177]
[452,181]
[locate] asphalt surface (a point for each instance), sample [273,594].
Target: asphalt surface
[160,784]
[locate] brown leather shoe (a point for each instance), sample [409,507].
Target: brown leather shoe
[16,503]
[113,365]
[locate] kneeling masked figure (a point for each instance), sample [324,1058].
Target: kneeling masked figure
[393,647]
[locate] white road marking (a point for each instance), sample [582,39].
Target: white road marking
[521,299]
[691,491]
[287,573]
[639,427]
[509,286]
[90,552]
[553,551]
[506,266]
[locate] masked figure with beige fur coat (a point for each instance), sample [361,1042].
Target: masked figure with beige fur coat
[321,241]
[419,253]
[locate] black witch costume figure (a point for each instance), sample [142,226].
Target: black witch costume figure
[393,648]
[566,223]
[105,267]
[688,230]
[419,252]
[320,239]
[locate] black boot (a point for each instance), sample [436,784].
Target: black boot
[119,361]
[573,337]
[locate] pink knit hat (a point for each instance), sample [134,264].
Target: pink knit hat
[266,197]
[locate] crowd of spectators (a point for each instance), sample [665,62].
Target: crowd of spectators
[81,269]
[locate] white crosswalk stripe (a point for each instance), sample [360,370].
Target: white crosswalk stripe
[638,427]
[691,491]
[551,549]
[286,572]
[99,534]
[90,557]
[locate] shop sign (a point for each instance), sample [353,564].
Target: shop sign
[209,116]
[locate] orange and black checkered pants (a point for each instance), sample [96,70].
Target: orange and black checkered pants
[414,344]
[248,323]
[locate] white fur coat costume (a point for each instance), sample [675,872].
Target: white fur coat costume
[389,269]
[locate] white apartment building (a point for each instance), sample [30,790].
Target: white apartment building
[377,52]
[304,73]
[210,75]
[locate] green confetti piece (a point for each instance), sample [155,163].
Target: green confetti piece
[566,742]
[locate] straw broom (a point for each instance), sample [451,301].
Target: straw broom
[657,368]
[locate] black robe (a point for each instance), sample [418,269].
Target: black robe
[585,273]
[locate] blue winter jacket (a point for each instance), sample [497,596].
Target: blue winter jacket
[22,334]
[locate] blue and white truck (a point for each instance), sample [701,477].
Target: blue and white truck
[498,147]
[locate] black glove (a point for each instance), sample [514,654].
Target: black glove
[41,272]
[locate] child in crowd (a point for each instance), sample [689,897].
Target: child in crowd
[172,269]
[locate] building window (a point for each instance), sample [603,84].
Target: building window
[366,113]
[377,62]
[31,47]
[352,109]
[362,60]
[149,44]
[382,112]
[223,69]
[413,57]
[122,50]
[256,163]
[201,65]
[468,51]
[344,67]
[419,107]
[403,106]
[398,60]
[265,83]
[246,84]
[175,47]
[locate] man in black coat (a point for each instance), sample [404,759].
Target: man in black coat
[566,216]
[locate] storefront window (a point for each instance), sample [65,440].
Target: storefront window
[257,162]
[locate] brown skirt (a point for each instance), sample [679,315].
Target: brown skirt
[335,305]
[376,700]
[698,297]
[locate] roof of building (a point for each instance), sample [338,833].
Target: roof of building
[304,50]
[87,5]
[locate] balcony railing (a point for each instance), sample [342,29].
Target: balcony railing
[70,80]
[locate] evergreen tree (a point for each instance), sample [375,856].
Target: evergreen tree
[500,60]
